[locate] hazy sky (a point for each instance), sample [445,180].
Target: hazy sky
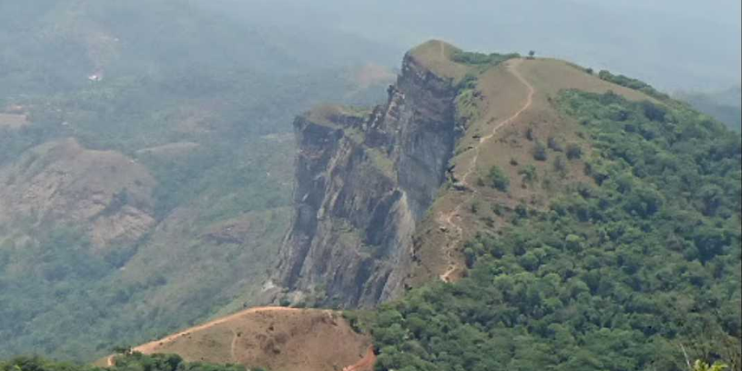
[675,44]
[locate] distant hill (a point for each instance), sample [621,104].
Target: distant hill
[145,161]
[725,106]
[673,44]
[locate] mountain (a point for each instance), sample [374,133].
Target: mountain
[591,222]
[520,213]
[494,211]
[364,181]
[368,184]
[145,163]
[724,105]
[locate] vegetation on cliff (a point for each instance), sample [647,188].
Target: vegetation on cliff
[627,271]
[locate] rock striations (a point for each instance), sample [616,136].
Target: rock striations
[364,180]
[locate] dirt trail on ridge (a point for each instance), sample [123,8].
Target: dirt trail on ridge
[365,364]
[149,348]
[452,219]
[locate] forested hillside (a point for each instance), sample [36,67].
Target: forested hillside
[145,163]
[637,267]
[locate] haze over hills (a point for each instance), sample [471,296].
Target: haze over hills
[492,210]
[687,45]
[145,161]
[725,105]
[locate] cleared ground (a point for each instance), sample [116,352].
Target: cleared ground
[280,339]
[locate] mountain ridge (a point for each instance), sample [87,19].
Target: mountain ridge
[494,202]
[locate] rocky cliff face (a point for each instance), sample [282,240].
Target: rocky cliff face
[364,180]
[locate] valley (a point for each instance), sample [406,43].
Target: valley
[251,186]
[155,195]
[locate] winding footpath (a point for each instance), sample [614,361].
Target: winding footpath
[365,364]
[452,219]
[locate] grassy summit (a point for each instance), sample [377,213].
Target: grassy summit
[598,229]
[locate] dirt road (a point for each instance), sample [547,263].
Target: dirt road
[452,219]
[150,347]
[365,364]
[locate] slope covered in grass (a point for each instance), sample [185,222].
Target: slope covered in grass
[626,263]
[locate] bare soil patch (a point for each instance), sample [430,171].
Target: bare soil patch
[281,339]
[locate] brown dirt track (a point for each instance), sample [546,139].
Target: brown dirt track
[448,218]
[281,339]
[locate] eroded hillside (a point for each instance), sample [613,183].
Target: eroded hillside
[62,182]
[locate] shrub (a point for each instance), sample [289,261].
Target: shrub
[574,151]
[499,179]
[468,82]
[475,58]
[554,144]
[529,173]
[560,165]
[632,84]
[539,152]
[474,207]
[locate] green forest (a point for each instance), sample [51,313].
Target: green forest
[173,73]
[637,270]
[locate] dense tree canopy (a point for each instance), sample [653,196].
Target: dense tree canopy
[626,272]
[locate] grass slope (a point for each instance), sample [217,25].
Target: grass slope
[495,97]
[602,232]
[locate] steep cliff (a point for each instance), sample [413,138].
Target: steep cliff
[364,180]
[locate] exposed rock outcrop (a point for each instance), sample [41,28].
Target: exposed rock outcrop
[364,180]
[103,192]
